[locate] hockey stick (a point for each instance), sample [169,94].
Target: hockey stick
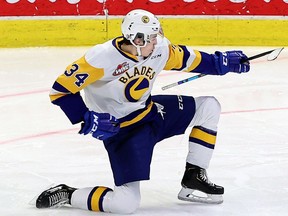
[272,55]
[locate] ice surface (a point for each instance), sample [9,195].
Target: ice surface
[39,147]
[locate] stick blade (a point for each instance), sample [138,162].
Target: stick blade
[273,55]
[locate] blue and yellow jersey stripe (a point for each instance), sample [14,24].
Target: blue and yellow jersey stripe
[196,61]
[77,76]
[116,43]
[181,59]
[139,117]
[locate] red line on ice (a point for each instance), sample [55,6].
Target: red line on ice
[24,93]
[75,129]
[255,110]
[37,136]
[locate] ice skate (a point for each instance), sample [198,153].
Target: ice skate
[55,196]
[197,188]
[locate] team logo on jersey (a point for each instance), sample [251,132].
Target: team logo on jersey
[137,82]
[136,88]
[121,68]
[145,19]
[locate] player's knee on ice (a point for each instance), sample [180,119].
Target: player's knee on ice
[125,200]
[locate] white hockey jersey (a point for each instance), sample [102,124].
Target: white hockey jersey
[117,82]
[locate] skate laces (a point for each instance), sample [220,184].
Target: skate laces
[59,198]
[204,177]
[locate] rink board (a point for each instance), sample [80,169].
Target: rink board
[87,31]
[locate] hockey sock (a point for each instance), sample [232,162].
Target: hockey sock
[90,198]
[201,145]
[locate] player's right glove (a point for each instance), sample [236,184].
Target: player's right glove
[231,61]
[100,125]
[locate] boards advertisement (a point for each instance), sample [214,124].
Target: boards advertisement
[159,7]
[26,23]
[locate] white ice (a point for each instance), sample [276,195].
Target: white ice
[39,146]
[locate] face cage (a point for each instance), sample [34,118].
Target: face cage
[144,40]
[142,36]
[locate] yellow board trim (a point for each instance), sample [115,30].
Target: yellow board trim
[137,118]
[202,135]
[189,31]
[96,197]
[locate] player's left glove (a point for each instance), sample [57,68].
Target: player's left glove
[231,61]
[100,125]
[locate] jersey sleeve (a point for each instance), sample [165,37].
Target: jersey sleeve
[183,58]
[66,89]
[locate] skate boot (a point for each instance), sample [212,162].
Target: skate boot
[55,196]
[197,188]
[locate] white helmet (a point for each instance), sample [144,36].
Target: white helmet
[140,23]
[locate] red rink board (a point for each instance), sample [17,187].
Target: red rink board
[159,7]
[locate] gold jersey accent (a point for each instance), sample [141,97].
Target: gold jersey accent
[79,74]
[181,60]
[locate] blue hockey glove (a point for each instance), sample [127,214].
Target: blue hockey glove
[231,61]
[100,125]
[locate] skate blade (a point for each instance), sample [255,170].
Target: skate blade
[33,201]
[191,195]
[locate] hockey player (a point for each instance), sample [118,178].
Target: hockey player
[117,78]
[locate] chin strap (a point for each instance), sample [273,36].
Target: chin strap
[138,47]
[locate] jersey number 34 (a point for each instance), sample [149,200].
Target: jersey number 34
[80,77]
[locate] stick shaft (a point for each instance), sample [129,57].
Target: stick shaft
[201,75]
[183,81]
[257,56]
